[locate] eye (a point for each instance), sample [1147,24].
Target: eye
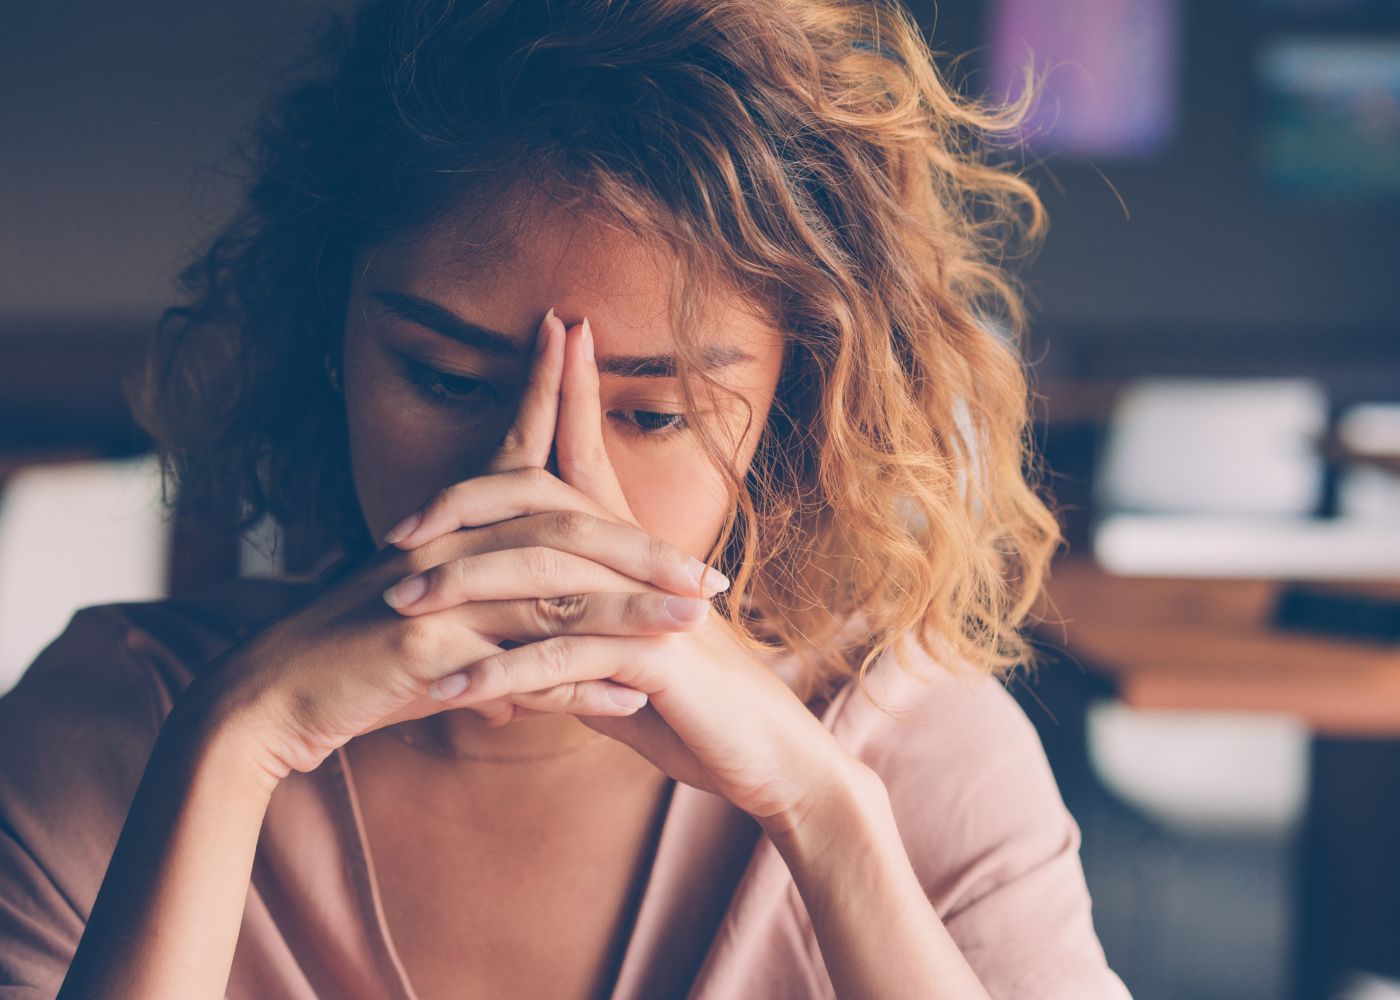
[443,387]
[652,423]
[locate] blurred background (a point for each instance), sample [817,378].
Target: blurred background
[1217,361]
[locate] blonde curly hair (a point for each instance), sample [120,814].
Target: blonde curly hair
[806,154]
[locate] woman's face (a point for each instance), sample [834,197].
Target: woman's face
[427,405]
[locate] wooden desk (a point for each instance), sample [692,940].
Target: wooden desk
[1173,643]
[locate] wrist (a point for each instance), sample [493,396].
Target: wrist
[850,795]
[218,722]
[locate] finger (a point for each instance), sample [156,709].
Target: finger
[502,711]
[504,574]
[623,547]
[490,498]
[531,435]
[632,661]
[579,447]
[497,712]
[587,614]
[591,698]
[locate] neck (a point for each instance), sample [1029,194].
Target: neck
[544,758]
[513,799]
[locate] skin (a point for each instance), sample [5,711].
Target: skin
[405,447]
[347,665]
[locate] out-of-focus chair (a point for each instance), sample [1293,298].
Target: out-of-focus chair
[92,531]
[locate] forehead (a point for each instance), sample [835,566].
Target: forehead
[560,258]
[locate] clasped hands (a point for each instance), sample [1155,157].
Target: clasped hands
[564,569]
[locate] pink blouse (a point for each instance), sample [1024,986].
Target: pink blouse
[720,917]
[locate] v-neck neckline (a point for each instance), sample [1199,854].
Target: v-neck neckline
[672,861]
[371,905]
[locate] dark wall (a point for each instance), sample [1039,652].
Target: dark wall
[113,124]
[1190,242]
[114,118]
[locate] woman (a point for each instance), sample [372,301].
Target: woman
[533,312]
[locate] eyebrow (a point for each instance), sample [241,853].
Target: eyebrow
[432,316]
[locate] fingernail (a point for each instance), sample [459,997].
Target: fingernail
[627,697]
[448,687]
[546,328]
[712,577]
[686,609]
[587,340]
[406,591]
[404,528]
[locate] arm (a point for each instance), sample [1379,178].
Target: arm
[979,820]
[167,916]
[879,934]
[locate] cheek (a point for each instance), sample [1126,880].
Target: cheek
[677,493]
[680,499]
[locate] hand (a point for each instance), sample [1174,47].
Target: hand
[718,718]
[346,663]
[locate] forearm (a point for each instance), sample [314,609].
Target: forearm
[879,935]
[167,915]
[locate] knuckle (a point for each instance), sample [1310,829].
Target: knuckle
[496,713]
[401,563]
[563,697]
[456,577]
[581,695]
[417,561]
[553,662]
[444,496]
[454,492]
[560,613]
[542,564]
[570,525]
[488,675]
[417,641]
[513,440]
[537,481]
[660,553]
[640,608]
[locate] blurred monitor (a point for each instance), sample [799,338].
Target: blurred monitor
[1109,71]
[1331,116]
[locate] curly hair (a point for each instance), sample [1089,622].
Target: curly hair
[807,154]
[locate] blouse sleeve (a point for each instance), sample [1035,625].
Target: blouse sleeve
[991,839]
[75,733]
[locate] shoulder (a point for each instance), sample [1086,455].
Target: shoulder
[77,728]
[982,819]
[75,733]
[87,709]
[113,656]
[86,686]
[946,739]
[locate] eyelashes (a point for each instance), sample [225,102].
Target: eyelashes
[650,423]
[442,387]
[445,389]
